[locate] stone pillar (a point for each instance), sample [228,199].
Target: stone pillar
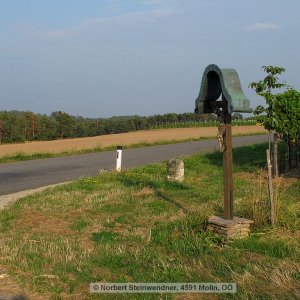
[175,170]
[236,228]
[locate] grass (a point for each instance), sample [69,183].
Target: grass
[21,156]
[135,226]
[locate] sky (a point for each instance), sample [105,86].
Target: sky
[102,58]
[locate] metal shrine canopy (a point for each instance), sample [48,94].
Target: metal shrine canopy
[218,82]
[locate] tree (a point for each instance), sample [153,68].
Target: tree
[48,128]
[265,115]
[1,130]
[30,125]
[286,111]
[12,126]
[265,88]
[66,124]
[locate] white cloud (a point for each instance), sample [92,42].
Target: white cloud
[133,18]
[262,26]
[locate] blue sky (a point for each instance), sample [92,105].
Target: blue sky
[99,58]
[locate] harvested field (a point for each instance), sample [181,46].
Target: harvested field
[137,137]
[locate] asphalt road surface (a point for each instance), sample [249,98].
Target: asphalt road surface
[20,176]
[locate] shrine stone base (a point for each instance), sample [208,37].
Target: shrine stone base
[236,228]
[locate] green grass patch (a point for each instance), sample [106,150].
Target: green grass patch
[104,237]
[158,207]
[80,224]
[186,238]
[276,248]
[135,226]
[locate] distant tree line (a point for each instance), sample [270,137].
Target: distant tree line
[17,126]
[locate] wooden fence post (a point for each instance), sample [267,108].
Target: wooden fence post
[270,186]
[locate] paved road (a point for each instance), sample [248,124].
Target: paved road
[20,176]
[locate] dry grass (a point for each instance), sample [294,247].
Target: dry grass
[38,222]
[135,226]
[257,203]
[9,286]
[125,139]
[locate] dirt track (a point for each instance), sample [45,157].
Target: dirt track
[121,139]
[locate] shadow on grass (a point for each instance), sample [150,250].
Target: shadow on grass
[247,158]
[170,200]
[156,186]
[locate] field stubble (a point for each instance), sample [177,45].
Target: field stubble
[125,139]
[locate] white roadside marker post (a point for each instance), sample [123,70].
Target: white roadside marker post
[119,158]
